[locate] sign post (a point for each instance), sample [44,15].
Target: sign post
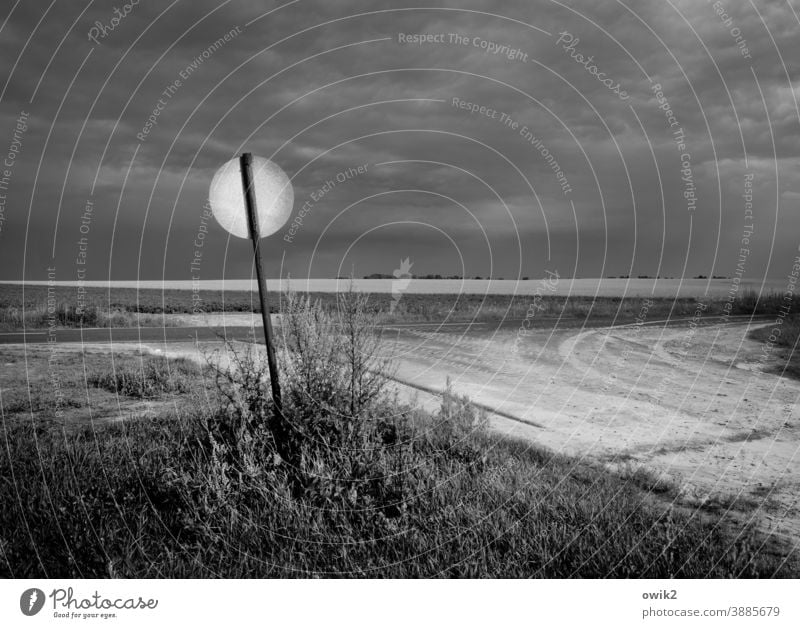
[245,163]
[260,188]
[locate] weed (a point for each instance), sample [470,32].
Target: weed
[153,377]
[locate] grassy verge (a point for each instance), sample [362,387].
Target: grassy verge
[58,387]
[38,316]
[343,482]
[784,353]
[151,500]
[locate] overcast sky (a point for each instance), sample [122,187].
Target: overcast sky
[598,185]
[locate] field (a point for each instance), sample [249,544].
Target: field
[126,307]
[660,288]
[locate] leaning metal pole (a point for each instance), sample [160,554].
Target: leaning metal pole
[245,162]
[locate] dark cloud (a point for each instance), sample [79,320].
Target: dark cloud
[323,87]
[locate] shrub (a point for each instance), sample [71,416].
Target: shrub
[152,378]
[328,439]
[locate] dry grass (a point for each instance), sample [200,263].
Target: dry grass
[785,352]
[149,378]
[63,388]
[39,316]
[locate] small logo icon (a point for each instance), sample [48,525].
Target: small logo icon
[402,278]
[31,601]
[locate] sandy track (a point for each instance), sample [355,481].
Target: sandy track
[693,406]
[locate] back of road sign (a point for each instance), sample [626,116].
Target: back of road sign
[274,197]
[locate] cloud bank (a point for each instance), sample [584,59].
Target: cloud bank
[471,138]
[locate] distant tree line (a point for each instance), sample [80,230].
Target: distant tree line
[663,277]
[385,276]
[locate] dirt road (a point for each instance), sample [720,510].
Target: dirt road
[692,404]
